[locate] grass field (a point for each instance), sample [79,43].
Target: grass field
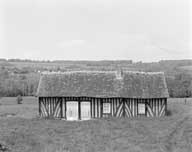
[189,68]
[22,131]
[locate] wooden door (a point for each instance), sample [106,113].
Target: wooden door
[72,110]
[85,110]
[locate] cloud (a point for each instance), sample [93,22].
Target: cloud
[70,43]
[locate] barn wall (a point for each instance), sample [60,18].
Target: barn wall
[55,107]
[50,107]
[156,107]
[120,107]
[128,107]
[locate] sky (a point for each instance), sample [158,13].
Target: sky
[140,30]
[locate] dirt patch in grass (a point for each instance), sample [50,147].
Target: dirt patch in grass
[8,115]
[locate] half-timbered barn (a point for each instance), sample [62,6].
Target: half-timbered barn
[82,95]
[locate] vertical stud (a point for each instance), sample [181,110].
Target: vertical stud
[101,108]
[97,108]
[79,109]
[61,107]
[165,106]
[94,108]
[40,107]
[91,108]
[65,108]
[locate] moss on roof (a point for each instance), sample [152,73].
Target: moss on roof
[103,84]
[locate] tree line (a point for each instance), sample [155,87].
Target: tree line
[18,84]
[15,80]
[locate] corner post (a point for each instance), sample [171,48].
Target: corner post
[39,98]
[165,106]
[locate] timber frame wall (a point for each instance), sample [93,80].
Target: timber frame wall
[55,107]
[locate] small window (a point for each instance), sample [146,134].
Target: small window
[141,108]
[106,108]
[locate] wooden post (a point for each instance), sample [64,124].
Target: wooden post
[154,100]
[145,107]
[61,107]
[39,106]
[137,103]
[132,106]
[101,100]
[65,108]
[123,107]
[91,108]
[134,115]
[51,100]
[97,108]
[165,106]
[94,108]
[111,106]
[79,109]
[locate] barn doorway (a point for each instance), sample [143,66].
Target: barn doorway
[72,110]
[85,111]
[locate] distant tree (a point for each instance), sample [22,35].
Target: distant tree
[58,69]
[2,68]
[1,59]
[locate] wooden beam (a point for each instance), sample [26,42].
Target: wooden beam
[101,100]
[137,102]
[79,109]
[111,104]
[61,107]
[65,103]
[131,106]
[123,107]
[114,106]
[91,108]
[40,106]
[51,105]
[159,100]
[165,100]
[97,108]
[162,110]
[150,110]
[47,107]
[145,107]
[154,106]
[127,108]
[134,107]
[94,108]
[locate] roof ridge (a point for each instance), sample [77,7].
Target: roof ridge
[143,72]
[89,71]
[83,71]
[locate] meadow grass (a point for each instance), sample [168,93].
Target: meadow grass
[23,131]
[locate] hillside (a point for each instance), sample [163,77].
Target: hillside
[22,76]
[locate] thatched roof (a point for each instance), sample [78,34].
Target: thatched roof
[103,84]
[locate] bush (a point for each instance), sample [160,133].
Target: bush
[19,99]
[168,113]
